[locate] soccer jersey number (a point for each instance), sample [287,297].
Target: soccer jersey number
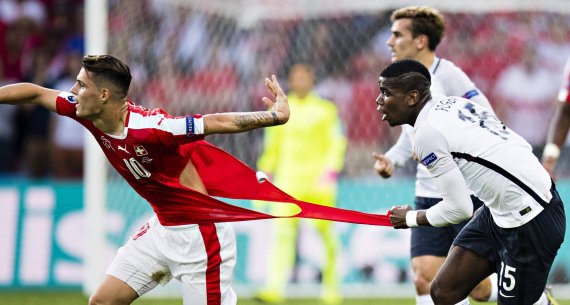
[506,278]
[486,120]
[136,168]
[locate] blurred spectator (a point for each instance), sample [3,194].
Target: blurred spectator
[524,97]
[7,135]
[34,122]
[12,10]
[67,137]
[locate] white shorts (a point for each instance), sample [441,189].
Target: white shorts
[201,257]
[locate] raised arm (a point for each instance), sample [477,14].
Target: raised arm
[27,93]
[233,122]
[556,137]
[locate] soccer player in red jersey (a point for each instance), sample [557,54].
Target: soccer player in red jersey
[163,158]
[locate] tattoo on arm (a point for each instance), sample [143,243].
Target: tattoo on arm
[256,119]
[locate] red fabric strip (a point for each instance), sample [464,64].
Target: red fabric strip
[225,176]
[212,244]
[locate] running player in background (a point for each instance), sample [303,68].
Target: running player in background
[163,159]
[416,33]
[559,125]
[522,225]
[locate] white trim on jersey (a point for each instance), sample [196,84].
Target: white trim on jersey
[175,125]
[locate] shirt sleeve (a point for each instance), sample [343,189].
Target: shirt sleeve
[456,205]
[181,130]
[65,104]
[457,83]
[432,149]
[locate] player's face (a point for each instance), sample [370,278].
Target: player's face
[401,43]
[392,103]
[87,96]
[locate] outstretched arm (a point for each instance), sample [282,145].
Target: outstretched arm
[27,93]
[556,137]
[233,122]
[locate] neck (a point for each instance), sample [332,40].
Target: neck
[112,120]
[426,58]
[419,108]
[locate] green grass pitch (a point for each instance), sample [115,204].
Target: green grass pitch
[26,297]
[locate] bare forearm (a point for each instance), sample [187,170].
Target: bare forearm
[233,122]
[560,125]
[27,93]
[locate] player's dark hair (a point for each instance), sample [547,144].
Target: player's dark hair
[111,69]
[425,21]
[408,75]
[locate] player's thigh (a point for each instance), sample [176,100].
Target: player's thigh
[129,268]
[113,291]
[463,270]
[425,267]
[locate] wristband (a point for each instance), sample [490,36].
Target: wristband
[275,119]
[551,151]
[411,219]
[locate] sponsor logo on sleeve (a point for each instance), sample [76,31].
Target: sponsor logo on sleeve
[471,94]
[189,126]
[429,159]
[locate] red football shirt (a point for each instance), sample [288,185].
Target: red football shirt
[156,147]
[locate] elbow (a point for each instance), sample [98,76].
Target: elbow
[463,213]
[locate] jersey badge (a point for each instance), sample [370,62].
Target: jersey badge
[123,149]
[429,159]
[107,143]
[140,151]
[469,94]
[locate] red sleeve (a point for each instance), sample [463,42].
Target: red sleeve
[65,105]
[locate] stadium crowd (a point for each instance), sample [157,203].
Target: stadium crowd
[190,61]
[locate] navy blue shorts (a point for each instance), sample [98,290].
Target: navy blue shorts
[435,241]
[522,256]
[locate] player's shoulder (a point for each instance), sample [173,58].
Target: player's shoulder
[144,118]
[143,111]
[442,110]
[447,69]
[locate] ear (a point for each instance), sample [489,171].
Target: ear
[421,42]
[105,95]
[413,98]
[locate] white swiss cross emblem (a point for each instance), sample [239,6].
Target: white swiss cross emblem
[140,151]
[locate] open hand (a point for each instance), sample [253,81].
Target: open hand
[281,104]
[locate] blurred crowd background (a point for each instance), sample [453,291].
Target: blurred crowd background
[187,60]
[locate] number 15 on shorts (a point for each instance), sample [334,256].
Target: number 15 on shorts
[506,278]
